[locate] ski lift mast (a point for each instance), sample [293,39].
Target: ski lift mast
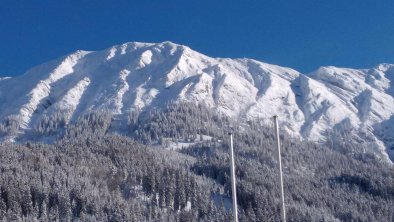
[233,184]
[282,206]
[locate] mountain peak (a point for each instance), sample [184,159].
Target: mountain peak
[143,76]
[385,66]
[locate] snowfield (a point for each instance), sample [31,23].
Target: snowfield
[145,75]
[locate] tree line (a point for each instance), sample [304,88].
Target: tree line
[92,174]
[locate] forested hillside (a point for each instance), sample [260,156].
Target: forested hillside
[173,166]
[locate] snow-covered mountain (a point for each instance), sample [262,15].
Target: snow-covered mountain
[356,102]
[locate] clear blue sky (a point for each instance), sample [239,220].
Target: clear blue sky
[295,33]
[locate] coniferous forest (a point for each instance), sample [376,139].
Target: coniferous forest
[173,165]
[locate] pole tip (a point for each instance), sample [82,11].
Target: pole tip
[230,133]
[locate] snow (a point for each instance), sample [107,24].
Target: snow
[4,78]
[124,87]
[111,53]
[43,88]
[146,59]
[184,144]
[68,104]
[142,76]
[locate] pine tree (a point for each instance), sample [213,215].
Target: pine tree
[65,212]
[27,204]
[170,191]
[251,214]
[148,182]
[44,211]
[161,192]
[15,213]
[36,211]
[54,213]
[180,196]
[3,209]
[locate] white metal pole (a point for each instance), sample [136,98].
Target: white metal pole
[233,185]
[282,197]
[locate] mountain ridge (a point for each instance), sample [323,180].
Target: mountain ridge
[141,76]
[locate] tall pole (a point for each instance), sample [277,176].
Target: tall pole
[233,186]
[282,197]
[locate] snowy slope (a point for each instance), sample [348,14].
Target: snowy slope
[145,75]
